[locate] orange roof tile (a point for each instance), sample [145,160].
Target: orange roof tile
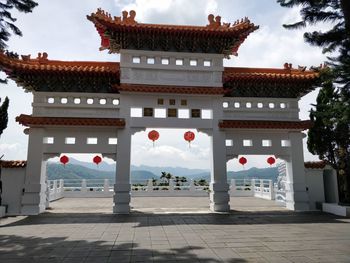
[13,164]
[315,165]
[248,124]
[171,89]
[42,63]
[105,24]
[28,120]
[237,74]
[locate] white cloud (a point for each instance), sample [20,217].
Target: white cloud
[172,11]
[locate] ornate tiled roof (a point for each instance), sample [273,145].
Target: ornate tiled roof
[28,120]
[13,164]
[269,82]
[315,165]
[125,33]
[171,89]
[250,124]
[42,74]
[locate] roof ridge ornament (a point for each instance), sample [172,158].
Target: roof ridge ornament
[127,18]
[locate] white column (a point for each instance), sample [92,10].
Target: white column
[296,196]
[122,185]
[34,190]
[219,196]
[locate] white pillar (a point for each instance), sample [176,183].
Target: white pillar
[122,185]
[34,190]
[296,196]
[219,196]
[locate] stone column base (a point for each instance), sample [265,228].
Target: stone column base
[219,197]
[121,198]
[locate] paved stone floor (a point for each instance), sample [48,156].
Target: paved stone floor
[255,231]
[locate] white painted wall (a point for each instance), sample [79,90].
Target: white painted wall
[12,186]
[315,185]
[171,74]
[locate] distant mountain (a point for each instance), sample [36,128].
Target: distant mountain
[83,170]
[103,166]
[74,171]
[176,171]
[270,173]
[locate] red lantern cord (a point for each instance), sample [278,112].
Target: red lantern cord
[242,161]
[153,136]
[97,159]
[271,160]
[189,136]
[64,160]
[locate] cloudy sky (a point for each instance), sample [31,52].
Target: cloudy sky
[60,28]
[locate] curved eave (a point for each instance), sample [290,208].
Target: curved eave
[13,164]
[276,125]
[237,33]
[30,121]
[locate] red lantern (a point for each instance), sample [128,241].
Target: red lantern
[271,160]
[242,160]
[153,135]
[189,136]
[97,159]
[64,159]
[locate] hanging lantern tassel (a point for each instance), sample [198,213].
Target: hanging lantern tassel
[153,136]
[242,161]
[97,159]
[64,160]
[271,160]
[189,136]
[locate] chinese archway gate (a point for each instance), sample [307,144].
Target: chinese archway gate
[167,68]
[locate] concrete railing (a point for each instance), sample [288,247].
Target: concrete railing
[255,187]
[104,188]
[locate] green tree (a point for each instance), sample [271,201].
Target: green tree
[3,115]
[330,135]
[7,28]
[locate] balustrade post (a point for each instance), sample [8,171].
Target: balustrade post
[61,185]
[192,186]
[171,185]
[233,186]
[83,186]
[150,185]
[106,186]
[253,186]
[271,190]
[261,187]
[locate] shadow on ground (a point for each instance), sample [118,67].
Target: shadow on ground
[150,219]
[58,249]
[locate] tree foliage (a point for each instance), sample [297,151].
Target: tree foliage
[330,135]
[3,115]
[7,26]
